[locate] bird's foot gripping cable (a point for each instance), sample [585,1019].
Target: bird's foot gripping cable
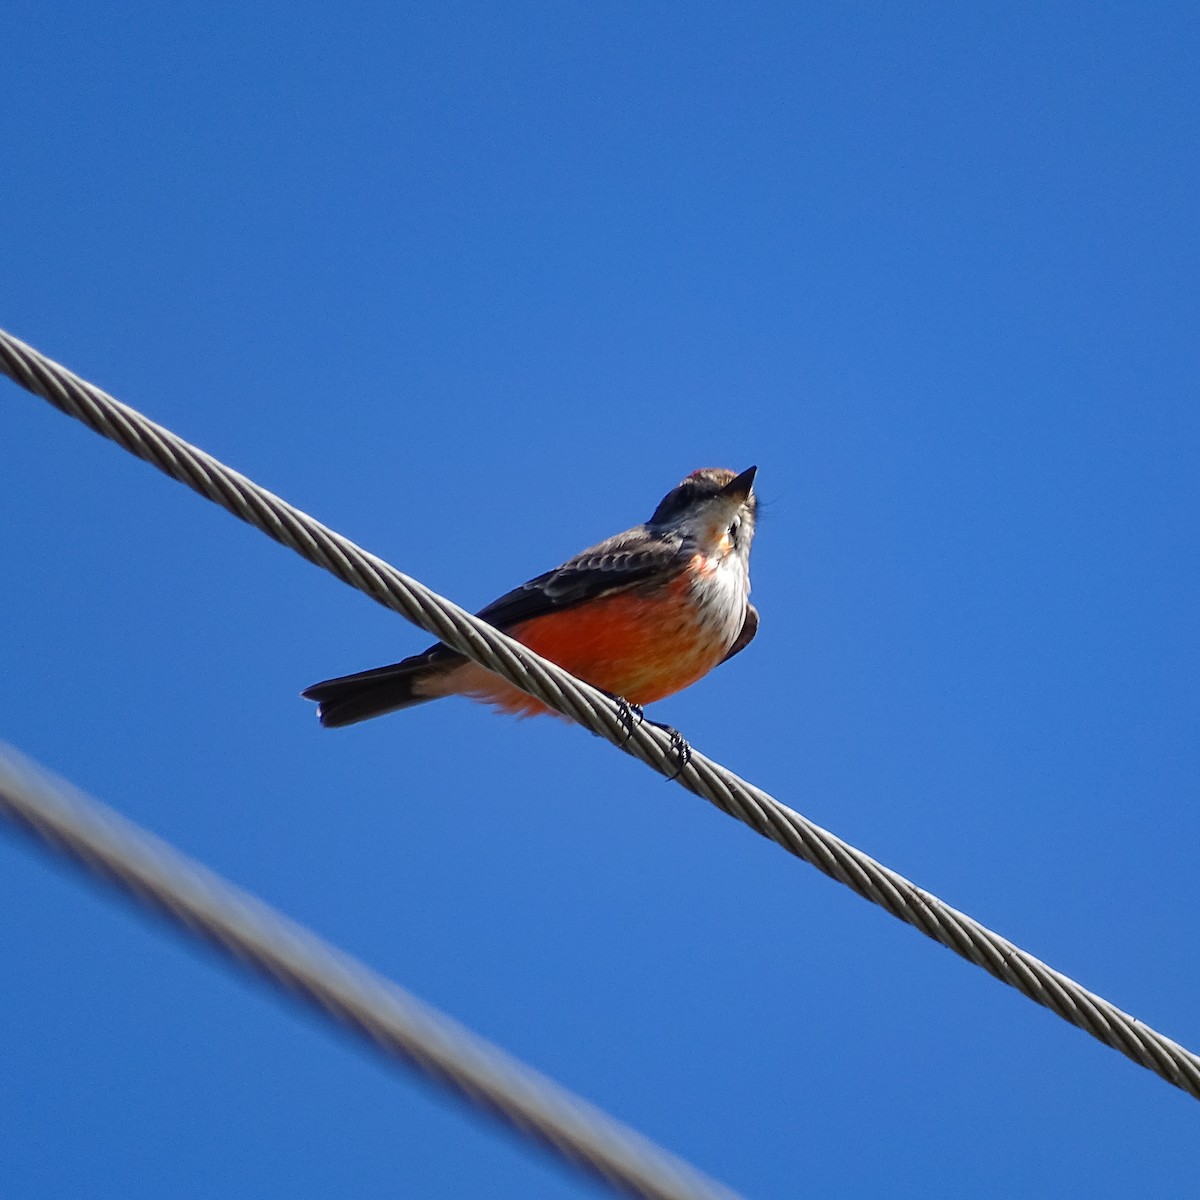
[631,715]
[679,745]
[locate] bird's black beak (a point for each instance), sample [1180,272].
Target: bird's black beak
[739,488]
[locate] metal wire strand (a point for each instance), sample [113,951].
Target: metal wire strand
[256,937]
[591,708]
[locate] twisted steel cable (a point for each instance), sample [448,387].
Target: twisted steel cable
[593,709]
[252,934]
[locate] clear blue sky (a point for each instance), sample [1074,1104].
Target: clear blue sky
[475,287]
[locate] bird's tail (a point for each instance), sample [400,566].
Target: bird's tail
[353,698]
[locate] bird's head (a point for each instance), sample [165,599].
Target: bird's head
[713,507]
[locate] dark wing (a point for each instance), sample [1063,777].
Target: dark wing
[749,629]
[622,561]
[633,557]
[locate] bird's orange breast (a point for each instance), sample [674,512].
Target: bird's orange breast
[642,645]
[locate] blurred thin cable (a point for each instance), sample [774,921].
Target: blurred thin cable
[397,1024]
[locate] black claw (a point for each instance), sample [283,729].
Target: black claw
[679,746]
[631,716]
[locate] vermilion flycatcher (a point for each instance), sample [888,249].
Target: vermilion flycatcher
[640,616]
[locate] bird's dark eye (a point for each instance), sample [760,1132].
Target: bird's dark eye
[734,526]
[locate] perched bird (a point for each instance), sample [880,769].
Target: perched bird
[641,616]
